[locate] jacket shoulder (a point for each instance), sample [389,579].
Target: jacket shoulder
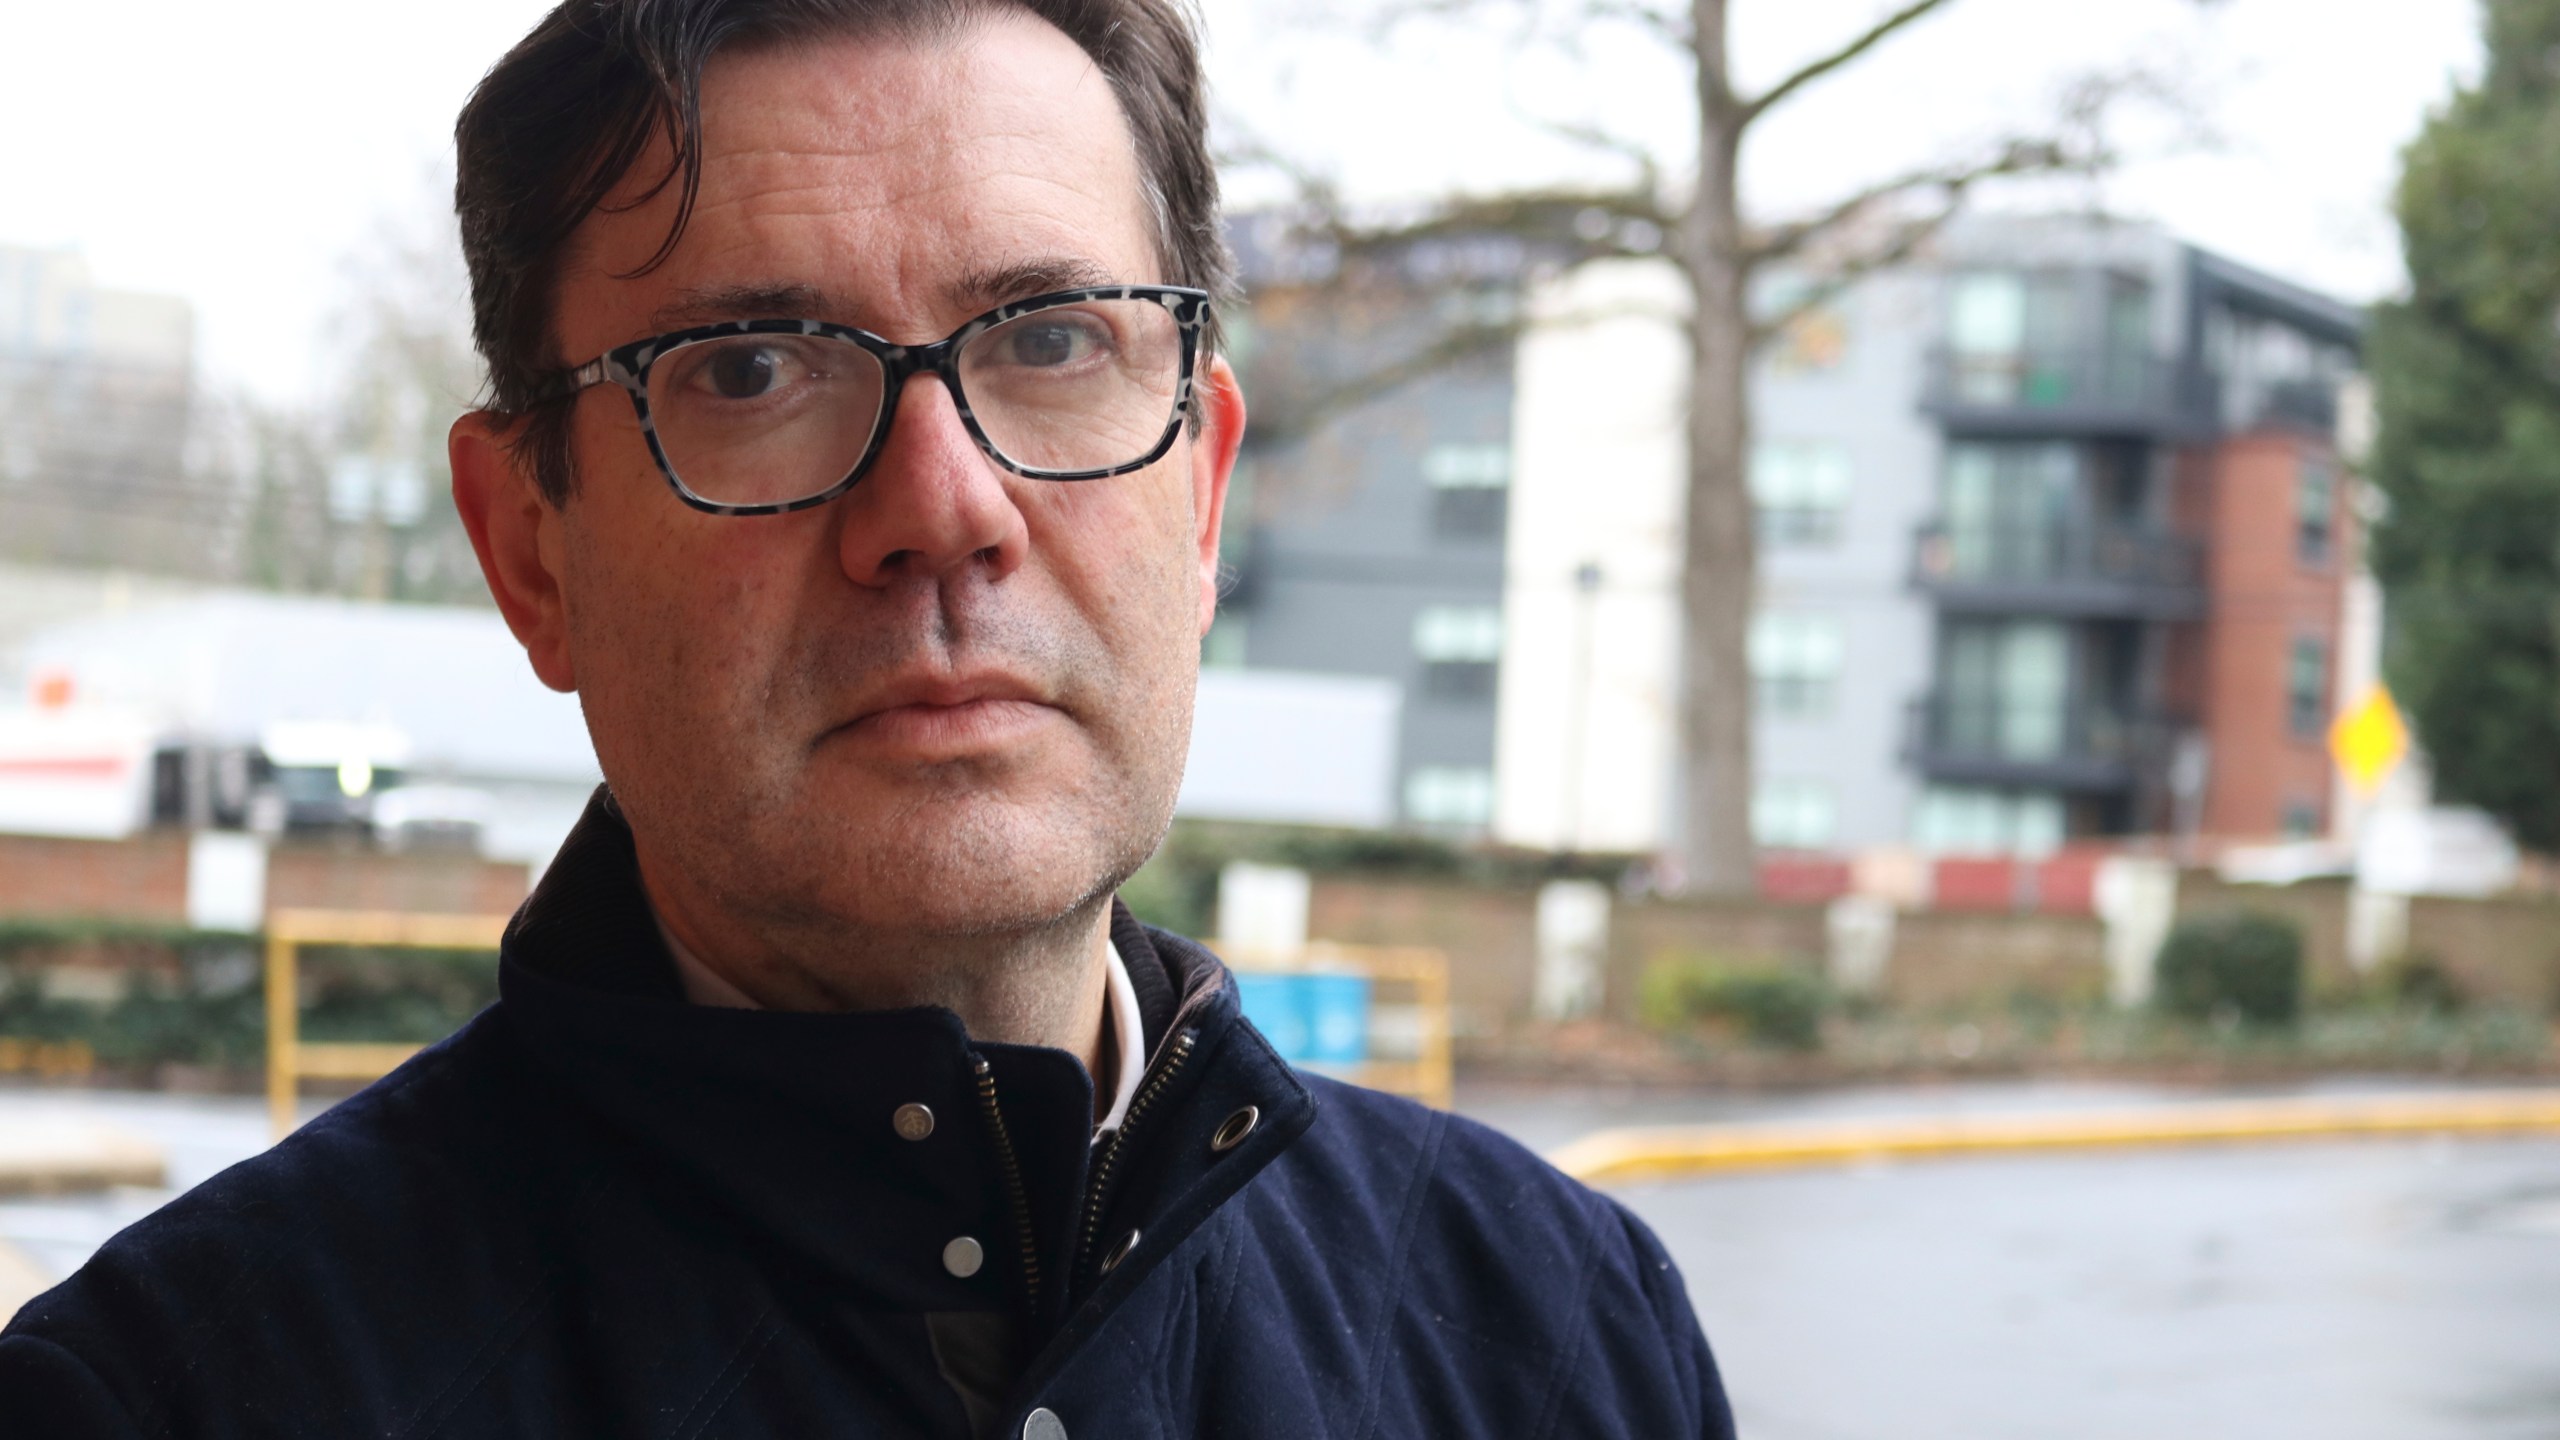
[383,1217]
[1501,1262]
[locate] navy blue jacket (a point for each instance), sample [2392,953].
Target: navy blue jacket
[599,1211]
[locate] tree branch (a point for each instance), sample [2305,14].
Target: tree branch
[1907,239]
[2015,157]
[1672,30]
[1875,35]
[1294,419]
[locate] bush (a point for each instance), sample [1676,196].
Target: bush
[2247,965]
[1769,1005]
[2420,983]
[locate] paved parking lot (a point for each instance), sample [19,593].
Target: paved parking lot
[2400,1289]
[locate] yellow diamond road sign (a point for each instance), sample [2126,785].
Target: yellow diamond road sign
[2370,740]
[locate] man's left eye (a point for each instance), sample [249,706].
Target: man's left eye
[1045,343]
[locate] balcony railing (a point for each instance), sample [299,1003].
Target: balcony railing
[2059,568]
[2104,392]
[1965,739]
[2305,405]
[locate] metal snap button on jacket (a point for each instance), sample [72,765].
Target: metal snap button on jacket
[963,1256]
[1120,1252]
[1233,1129]
[1043,1424]
[913,1122]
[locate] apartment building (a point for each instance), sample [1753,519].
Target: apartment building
[1365,528]
[2053,536]
[2054,542]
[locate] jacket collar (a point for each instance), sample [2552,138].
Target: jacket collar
[784,1122]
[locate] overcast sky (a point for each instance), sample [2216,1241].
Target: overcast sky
[242,155]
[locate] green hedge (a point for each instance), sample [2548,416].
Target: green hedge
[2245,966]
[1772,1005]
[197,997]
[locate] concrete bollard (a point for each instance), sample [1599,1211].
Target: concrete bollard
[2137,900]
[1858,931]
[1573,945]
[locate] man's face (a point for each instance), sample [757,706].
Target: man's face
[952,700]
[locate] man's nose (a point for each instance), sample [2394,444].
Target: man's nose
[933,503]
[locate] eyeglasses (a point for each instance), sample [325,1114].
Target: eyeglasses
[757,417]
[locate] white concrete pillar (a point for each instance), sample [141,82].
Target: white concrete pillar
[1858,930]
[2377,927]
[226,880]
[2137,900]
[1573,947]
[1262,909]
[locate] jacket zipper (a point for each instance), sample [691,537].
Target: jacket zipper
[1013,1185]
[1099,1190]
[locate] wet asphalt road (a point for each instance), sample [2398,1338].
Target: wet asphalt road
[2399,1289]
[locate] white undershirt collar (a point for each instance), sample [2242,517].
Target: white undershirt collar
[1123,1027]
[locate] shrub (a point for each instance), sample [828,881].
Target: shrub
[2421,983]
[2247,965]
[1779,1007]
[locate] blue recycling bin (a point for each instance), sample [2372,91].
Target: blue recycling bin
[1337,1018]
[1319,1019]
[1277,1006]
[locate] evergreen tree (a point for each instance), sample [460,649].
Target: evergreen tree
[2466,375]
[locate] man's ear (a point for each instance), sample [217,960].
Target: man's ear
[1213,464]
[516,534]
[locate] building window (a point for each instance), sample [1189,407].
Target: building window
[2301,818]
[2307,687]
[1470,489]
[1965,820]
[1799,491]
[1459,646]
[2315,509]
[1795,664]
[2009,337]
[1793,815]
[1449,795]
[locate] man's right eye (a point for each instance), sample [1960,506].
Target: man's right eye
[742,369]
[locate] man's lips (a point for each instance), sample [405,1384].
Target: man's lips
[950,714]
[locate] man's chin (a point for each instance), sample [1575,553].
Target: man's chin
[972,867]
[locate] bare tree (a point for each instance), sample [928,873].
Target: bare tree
[1695,223]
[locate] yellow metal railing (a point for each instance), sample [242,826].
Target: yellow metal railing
[290,1060]
[1417,981]
[1421,978]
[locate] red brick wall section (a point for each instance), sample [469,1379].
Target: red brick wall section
[1804,878]
[331,878]
[141,881]
[2262,596]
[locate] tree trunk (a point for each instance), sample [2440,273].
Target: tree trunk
[1716,582]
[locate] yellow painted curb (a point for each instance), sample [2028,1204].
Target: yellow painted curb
[1653,1153]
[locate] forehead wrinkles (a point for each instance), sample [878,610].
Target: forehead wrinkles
[907,127]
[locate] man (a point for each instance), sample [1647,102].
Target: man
[857,451]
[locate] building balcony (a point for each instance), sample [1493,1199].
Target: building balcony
[2060,568]
[2307,406]
[1963,740]
[2069,393]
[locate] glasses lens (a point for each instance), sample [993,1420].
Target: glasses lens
[1086,386]
[764,419]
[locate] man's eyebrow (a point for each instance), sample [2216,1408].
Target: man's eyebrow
[712,304]
[990,286]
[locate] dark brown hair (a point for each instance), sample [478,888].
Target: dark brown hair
[558,124]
